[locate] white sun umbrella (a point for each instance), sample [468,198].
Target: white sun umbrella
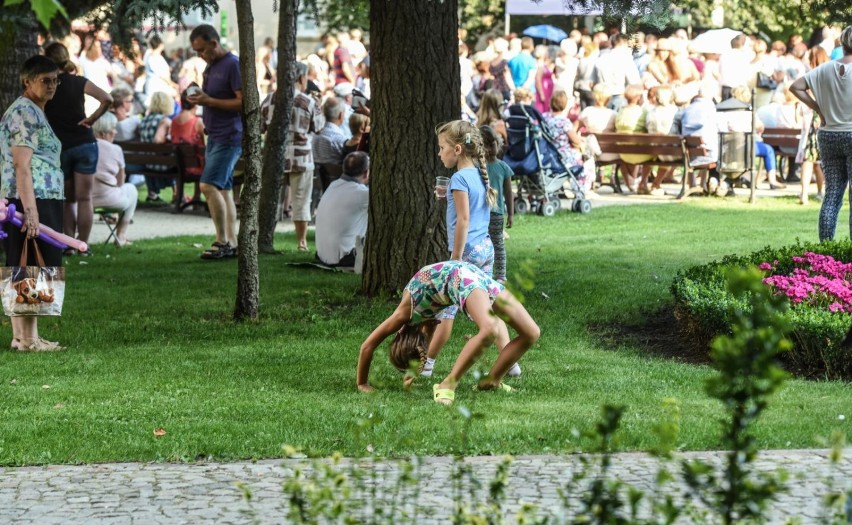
[714,41]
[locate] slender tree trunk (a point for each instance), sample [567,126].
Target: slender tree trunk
[16,46]
[415,86]
[248,274]
[273,155]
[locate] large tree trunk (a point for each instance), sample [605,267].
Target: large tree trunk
[248,274]
[16,46]
[273,155]
[415,86]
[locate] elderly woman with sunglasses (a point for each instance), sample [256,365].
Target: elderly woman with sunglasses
[31,178]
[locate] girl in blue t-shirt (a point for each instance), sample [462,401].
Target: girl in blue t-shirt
[469,203]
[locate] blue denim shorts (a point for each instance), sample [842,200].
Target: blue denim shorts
[219,162]
[82,159]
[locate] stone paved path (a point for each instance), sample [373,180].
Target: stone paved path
[131,493]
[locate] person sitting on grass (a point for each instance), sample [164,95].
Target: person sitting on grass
[432,289]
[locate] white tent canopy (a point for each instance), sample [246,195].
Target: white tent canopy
[549,7]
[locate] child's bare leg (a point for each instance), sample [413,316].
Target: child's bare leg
[442,334]
[502,335]
[807,171]
[509,308]
[478,306]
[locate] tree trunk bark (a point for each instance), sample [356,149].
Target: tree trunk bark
[248,274]
[413,90]
[17,45]
[273,155]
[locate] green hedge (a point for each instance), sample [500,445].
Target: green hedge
[702,310]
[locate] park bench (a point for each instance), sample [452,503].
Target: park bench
[785,141]
[666,150]
[178,158]
[144,154]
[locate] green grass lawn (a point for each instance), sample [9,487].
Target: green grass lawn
[151,345]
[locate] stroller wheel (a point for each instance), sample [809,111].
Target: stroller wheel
[521,206]
[584,206]
[535,206]
[549,209]
[556,201]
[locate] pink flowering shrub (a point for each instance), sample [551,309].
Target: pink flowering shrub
[817,280]
[814,278]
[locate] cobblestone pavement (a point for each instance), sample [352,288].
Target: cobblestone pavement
[130,493]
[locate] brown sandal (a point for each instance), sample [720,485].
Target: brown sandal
[36,345]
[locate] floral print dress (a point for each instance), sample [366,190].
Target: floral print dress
[437,286]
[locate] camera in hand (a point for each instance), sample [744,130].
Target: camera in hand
[359,100]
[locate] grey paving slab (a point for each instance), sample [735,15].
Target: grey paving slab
[129,493]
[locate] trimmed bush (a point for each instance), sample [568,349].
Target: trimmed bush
[702,307]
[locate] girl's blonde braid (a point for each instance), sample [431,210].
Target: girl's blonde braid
[479,150]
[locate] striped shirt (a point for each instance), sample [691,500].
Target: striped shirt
[328,145]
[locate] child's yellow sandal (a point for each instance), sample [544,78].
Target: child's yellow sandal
[444,396]
[502,386]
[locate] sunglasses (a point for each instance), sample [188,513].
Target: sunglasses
[50,81]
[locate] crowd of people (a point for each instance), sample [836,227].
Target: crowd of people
[646,83]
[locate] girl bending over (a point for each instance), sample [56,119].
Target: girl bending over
[434,288]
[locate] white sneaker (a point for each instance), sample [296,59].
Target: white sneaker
[712,185]
[722,190]
[515,371]
[427,371]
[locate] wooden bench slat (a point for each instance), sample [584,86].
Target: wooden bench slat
[782,142]
[678,150]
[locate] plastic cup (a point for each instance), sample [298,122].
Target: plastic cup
[441,184]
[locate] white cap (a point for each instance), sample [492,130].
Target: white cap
[344,89]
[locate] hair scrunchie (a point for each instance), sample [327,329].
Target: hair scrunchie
[467,138]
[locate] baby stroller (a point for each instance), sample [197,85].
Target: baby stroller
[541,172]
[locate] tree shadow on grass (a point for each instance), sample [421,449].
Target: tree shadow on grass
[657,334]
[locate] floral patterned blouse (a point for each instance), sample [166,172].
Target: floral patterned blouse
[24,124]
[439,285]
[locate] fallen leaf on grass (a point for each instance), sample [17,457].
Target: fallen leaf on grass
[159,432]
[45,386]
[13,382]
[196,245]
[58,406]
[545,295]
